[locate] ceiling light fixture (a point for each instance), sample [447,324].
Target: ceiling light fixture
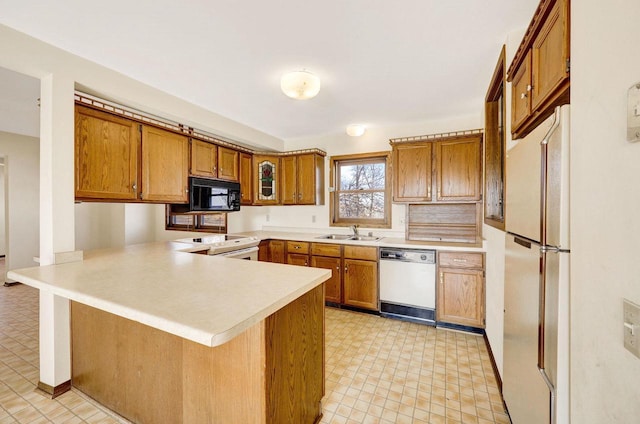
[355,130]
[300,85]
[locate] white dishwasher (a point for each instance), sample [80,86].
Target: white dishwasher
[408,284]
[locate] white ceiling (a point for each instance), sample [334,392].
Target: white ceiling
[381,62]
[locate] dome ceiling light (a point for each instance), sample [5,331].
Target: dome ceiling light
[300,85]
[355,130]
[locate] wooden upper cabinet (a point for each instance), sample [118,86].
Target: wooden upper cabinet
[246,178]
[412,172]
[106,156]
[540,69]
[458,169]
[302,179]
[550,54]
[438,171]
[165,166]
[288,180]
[228,164]
[204,159]
[521,93]
[266,171]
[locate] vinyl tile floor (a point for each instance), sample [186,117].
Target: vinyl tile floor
[377,371]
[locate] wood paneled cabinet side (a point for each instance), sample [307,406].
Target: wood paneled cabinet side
[460,293]
[412,172]
[302,181]
[459,169]
[165,166]
[246,178]
[204,159]
[106,156]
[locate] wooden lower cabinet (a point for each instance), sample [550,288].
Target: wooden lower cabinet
[277,250]
[271,373]
[460,293]
[333,286]
[361,283]
[298,253]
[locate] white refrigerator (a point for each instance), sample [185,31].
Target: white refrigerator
[536,293]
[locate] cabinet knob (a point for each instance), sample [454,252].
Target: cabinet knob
[346,269]
[214,169]
[299,195]
[523,95]
[338,268]
[134,186]
[529,87]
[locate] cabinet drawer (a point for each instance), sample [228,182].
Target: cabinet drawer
[461,259]
[325,249]
[361,252]
[297,247]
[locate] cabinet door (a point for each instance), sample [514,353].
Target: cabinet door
[412,172]
[459,169]
[165,166]
[521,93]
[203,159]
[298,259]
[277,251]
[228,164]
[307,175]
[550,53]
[461,297]
[263,251]
[106,155]
[246,180]
[288,181]
[333,286]
[361,284]
[266,175]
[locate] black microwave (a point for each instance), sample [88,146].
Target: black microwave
[209,195]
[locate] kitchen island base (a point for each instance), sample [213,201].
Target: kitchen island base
[273,372]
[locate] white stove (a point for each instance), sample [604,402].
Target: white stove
[227,245]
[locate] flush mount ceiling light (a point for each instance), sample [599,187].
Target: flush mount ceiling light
[355,130]
[300,85]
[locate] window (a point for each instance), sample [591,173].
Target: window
[495,148]
[200,222]
[360,190]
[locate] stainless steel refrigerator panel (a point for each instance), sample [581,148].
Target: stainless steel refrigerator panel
[526,395]
[522,213]
[558,184]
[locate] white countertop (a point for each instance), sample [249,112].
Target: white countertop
[205,299]
[383,242]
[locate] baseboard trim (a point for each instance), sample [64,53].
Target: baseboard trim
[53,392]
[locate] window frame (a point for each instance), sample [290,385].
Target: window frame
[197,222]
[334,190]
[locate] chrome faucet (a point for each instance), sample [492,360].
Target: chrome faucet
[354,228]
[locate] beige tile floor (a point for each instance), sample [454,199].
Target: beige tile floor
[377,371]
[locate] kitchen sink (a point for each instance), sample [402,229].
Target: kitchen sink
[336,237]
[365,238]
[349,237]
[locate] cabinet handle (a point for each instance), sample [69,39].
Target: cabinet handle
[346,269]
[306,263]
[459,260]
[214,169]
[441,278]
[338,268]
[529,87]
[523,95]
[296,247]
[134,186]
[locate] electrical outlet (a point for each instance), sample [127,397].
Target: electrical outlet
[313,219]
[267,217]
[631,317]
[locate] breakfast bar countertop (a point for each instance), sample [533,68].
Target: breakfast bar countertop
[205,299]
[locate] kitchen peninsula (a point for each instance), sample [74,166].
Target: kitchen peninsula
[163,335]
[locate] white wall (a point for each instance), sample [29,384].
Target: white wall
[605,199]
[3,222]
[99,225]
[22,184]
